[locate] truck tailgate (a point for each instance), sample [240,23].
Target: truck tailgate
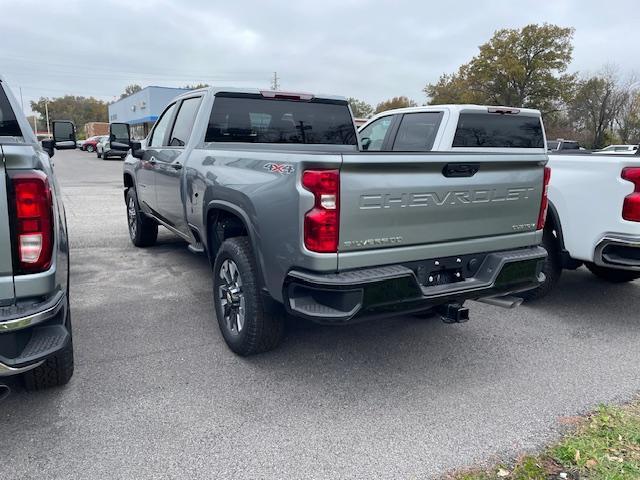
[392,200]
[6,266]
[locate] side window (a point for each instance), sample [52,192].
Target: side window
[417,132]
[184,122]
[8,124]
[160,130]
[373,135]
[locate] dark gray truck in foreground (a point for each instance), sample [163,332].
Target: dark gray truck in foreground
[35,323]
[274,188]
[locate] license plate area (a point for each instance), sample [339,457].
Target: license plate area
[446,270]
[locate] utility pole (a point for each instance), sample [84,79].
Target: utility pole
[46,109]
[275,82]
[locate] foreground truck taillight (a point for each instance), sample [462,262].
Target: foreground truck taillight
[544,204]
[321,223]
[32,208]
[631,207]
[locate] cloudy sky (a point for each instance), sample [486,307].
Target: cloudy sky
[368,49]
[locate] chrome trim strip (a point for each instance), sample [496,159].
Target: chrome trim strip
[612,239]
[7,371]
[30,320]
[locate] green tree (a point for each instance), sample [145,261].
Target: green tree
[395,102]
[130,90]
[360,108]
[516,67]
[196,86]
[79,110]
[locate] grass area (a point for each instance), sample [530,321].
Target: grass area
[603,446]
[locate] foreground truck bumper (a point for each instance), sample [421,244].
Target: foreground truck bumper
[395,289]
[618,251]
[29,335]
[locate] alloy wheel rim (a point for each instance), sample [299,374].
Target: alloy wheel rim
[231,296]
[132,214]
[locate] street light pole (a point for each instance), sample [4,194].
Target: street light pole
[46,109]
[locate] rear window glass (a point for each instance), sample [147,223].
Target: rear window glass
[417,132]
[254,119]
[494,130]
[8,124]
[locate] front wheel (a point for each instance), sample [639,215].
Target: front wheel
[91,149]
[143,230]
[247,327]
[98,154]
[613,275]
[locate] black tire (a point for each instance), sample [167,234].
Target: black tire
[552,268]
[261,330]
[143,230]
[104,155]
[613,275]
[55,371]
[99,155]
[91,149]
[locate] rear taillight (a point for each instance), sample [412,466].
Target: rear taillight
[33,232]
[544,204]
[631,207]
[321,223]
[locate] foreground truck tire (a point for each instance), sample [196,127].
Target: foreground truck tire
[552,269]
[246,326]
[142,229]
[612,275]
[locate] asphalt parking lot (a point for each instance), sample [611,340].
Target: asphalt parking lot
[157,394]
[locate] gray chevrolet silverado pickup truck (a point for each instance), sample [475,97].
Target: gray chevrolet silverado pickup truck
[35,323]
[275,189]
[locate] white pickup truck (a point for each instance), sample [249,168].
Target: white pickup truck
[594,217]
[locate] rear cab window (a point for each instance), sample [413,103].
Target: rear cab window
[498,131]
[253,118]
[417,132]
[8,123]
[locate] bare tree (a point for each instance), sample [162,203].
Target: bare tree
[628,120]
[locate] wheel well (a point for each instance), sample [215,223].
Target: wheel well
[553,226]
[222,224]
[128,183]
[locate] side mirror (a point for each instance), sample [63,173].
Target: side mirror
[64,135]
[136,149]
[48,146]
[120,136]
[365,143]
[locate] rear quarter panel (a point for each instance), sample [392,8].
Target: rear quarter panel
[588,193]
[263,188]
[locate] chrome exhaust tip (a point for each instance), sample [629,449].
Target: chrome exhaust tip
[4,392]
[505,302]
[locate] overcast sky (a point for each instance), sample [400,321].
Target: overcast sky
[367,49]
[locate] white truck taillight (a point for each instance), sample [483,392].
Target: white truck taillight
[33,231]
[631,207]
[544,203]
[322,222]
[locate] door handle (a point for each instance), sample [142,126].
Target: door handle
[177,166]
[152,160]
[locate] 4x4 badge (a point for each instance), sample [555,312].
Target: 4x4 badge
[282,168]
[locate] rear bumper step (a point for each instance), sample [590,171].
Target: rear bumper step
[395,289]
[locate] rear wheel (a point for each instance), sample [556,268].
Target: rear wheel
[247,327]
[91,148]
[98,154]
[552,268]
[143,230]
[613,275]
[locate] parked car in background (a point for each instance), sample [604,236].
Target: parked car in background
[91,143]
[103,150]
[273,187]
[619,149]
[563,145]
[594,217]
[35,322]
